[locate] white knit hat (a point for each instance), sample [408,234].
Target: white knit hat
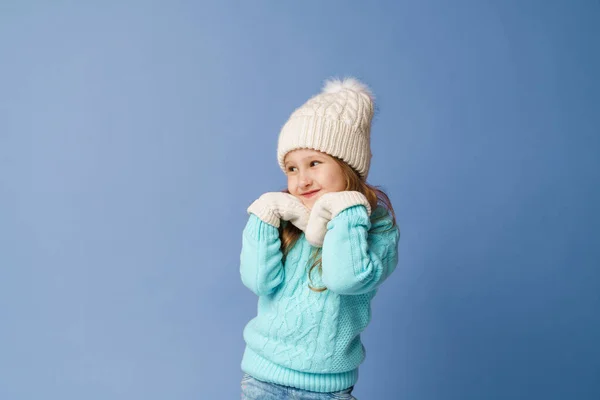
[337,121]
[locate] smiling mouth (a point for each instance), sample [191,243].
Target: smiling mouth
[310,194]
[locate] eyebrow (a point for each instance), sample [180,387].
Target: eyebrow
[311,157]
[319,156]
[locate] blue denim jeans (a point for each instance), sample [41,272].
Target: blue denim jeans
[253,389]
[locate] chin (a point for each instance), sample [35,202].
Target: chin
[309,205]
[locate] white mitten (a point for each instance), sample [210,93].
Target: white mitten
[275,206]
[327,207]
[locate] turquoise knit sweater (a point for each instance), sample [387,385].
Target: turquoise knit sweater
[305,339]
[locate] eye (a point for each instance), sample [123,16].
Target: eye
[291,169]
[313,163]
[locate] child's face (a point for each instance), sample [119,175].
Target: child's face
[311,174]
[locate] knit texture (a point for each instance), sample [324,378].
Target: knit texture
[337,121]
[305,339]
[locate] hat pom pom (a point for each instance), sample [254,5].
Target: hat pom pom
[337,85]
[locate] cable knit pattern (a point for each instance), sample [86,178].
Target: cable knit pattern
[336,121]
[307,339]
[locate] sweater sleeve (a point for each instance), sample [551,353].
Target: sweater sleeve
[261,268]
[357,256]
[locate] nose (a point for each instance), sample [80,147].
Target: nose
[305,180]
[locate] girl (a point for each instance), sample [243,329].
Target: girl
[316,254]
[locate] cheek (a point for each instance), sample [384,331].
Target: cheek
[341,180]
[291,185]
[336,182]
[329,184]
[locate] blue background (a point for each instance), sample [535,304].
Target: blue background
[133,135]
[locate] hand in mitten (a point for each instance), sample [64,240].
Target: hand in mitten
[275,206]
[327,207]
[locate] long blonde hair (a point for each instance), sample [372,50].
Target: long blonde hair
[289,234]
